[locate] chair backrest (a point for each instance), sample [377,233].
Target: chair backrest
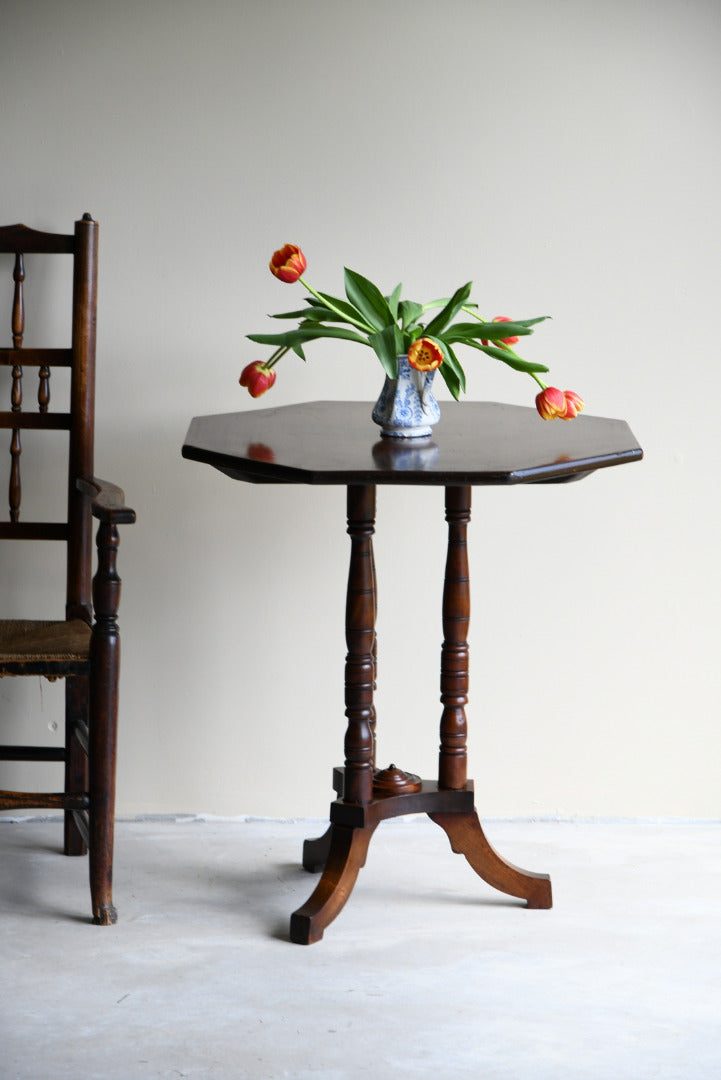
[33,411]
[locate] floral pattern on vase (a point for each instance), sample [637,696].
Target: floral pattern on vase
[406,408]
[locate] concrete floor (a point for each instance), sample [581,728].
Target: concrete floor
[426,973]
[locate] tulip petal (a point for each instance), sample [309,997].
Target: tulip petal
[288,263]
[551,404]
[257,378]
[425,355]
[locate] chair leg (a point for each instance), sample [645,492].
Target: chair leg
[76,759]
[104,668]
[103,729]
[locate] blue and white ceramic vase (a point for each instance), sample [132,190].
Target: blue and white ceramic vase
[406,408]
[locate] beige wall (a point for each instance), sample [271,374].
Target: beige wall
[562,153]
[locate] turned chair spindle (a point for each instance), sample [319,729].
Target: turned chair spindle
[16,393]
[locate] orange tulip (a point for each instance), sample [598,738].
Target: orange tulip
[425,355]
[257,378]
[288,263]
[574,404]
[551,403]
[505,340]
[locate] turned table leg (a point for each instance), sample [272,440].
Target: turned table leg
[454,653]
[342,850]
[464,829]
[360,662]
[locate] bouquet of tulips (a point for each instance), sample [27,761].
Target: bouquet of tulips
[427,333]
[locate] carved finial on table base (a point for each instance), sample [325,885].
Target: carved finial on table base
[393,781]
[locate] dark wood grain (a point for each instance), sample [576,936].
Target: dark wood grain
[454,653]
[16,393]
[14,238]
[18,316]
[37,357]
[347,853]
[76,757]
[360,637]
[82,644]
[366,800]
[476,442]
[467,838]
[103,711]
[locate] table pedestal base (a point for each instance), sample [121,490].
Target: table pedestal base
[341,852]
[366,796]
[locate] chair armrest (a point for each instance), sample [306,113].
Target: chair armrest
[107,501]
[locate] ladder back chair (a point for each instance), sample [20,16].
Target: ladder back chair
[81,644]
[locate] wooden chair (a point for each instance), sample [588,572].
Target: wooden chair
[82,646]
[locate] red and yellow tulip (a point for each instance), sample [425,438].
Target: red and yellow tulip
[555,404]
[288,263]
[257,378]
[551,403]
[425,355]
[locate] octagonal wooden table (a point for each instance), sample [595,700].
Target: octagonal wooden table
[475,444]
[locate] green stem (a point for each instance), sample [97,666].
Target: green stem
[279,352]
[515,355]
[470,311]
[346,318]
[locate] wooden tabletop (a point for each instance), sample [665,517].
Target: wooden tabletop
[475,442]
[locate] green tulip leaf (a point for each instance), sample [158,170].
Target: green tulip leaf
[386,344]
[393,301]
[324,314]
[302,314]
[315,313]
[351,312]
[451,362]
[492,331]
[368,300]
[307,333]
[451,380]
[509,358]
[531,322]
[320,309]
[449,312]
[409,312]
